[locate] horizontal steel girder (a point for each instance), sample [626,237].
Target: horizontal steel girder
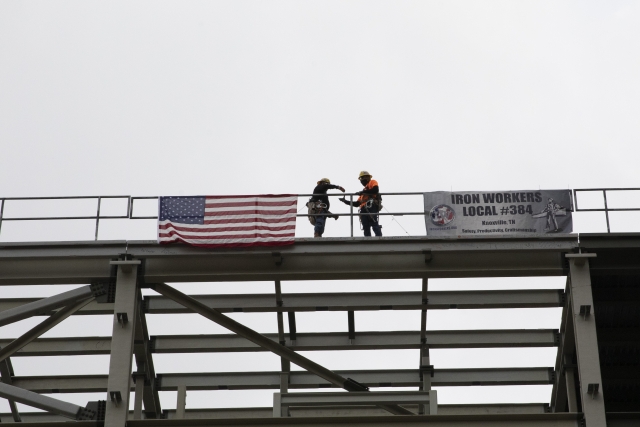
[299,380]
[322,341]
[329,411]
[307,259]
[346,301]
[46,305]
[333,417]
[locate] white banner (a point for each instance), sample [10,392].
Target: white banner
[475,213]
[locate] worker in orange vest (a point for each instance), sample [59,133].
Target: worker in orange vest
[369,203]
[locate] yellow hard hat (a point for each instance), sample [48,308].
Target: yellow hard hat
[364,173]
[325,180]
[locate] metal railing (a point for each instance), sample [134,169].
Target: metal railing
[606,208]
[131,201]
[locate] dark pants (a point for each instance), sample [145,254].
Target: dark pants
[320,221]
[369,218]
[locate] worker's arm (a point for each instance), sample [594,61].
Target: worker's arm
[347,202]
[322,188]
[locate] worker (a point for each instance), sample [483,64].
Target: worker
[369,203]
[319,204]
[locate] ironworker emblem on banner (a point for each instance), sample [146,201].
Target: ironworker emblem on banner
[498,213]
[442,214]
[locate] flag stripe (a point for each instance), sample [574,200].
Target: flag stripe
[198,233]
[172,234]
[225,226]
[211,203]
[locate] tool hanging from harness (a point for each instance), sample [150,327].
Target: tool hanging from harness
[314,208]
[373,203]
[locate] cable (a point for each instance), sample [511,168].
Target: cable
[393,218]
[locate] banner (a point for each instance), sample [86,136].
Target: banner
[498,213]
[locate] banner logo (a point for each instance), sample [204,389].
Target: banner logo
[442,214]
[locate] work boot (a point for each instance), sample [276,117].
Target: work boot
[317,235]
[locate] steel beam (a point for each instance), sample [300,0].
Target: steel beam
[329,411]
[45,305]
[46,403]
[321,341]
[283,401]
[126,307]
[40,329]
[6,373]
[347,301]
[285,365]
[357,301]
[299,380]
[486,420]
[584,323]
[564,358]
[144,363]
[350,258]
[293,357]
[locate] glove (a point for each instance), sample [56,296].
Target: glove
[359,193]
[341,189]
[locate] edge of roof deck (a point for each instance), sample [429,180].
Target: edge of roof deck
[144,248]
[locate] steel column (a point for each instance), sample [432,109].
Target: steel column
[125,307]
[591,392]
[138,378]
[144,363]
[181,401]
[285,365]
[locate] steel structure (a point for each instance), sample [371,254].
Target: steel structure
[596,378]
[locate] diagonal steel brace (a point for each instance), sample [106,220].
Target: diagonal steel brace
[257,338]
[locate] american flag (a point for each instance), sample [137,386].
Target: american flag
[215,221]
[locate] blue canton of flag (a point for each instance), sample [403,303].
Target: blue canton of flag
[184,210]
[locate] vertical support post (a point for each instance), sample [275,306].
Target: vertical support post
[182,401]
[277,405]
[125,312]
[351,213]
[570,382]
[292,327]
[606,209]
[351,319]
[2,215]
[144,363]
[564,359]
[433,402]
[98,217]
[424,348]
[138,378]
[285,365]
[584,322]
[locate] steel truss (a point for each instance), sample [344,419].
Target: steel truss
[115,272]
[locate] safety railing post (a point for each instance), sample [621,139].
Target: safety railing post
[1,213]
[351,215]
[98,217]
[606,209]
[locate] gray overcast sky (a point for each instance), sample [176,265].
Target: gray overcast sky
[150,98]
[245,97]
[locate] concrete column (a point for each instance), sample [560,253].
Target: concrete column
[584,322]
[125,311]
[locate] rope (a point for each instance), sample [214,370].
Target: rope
[393,218]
